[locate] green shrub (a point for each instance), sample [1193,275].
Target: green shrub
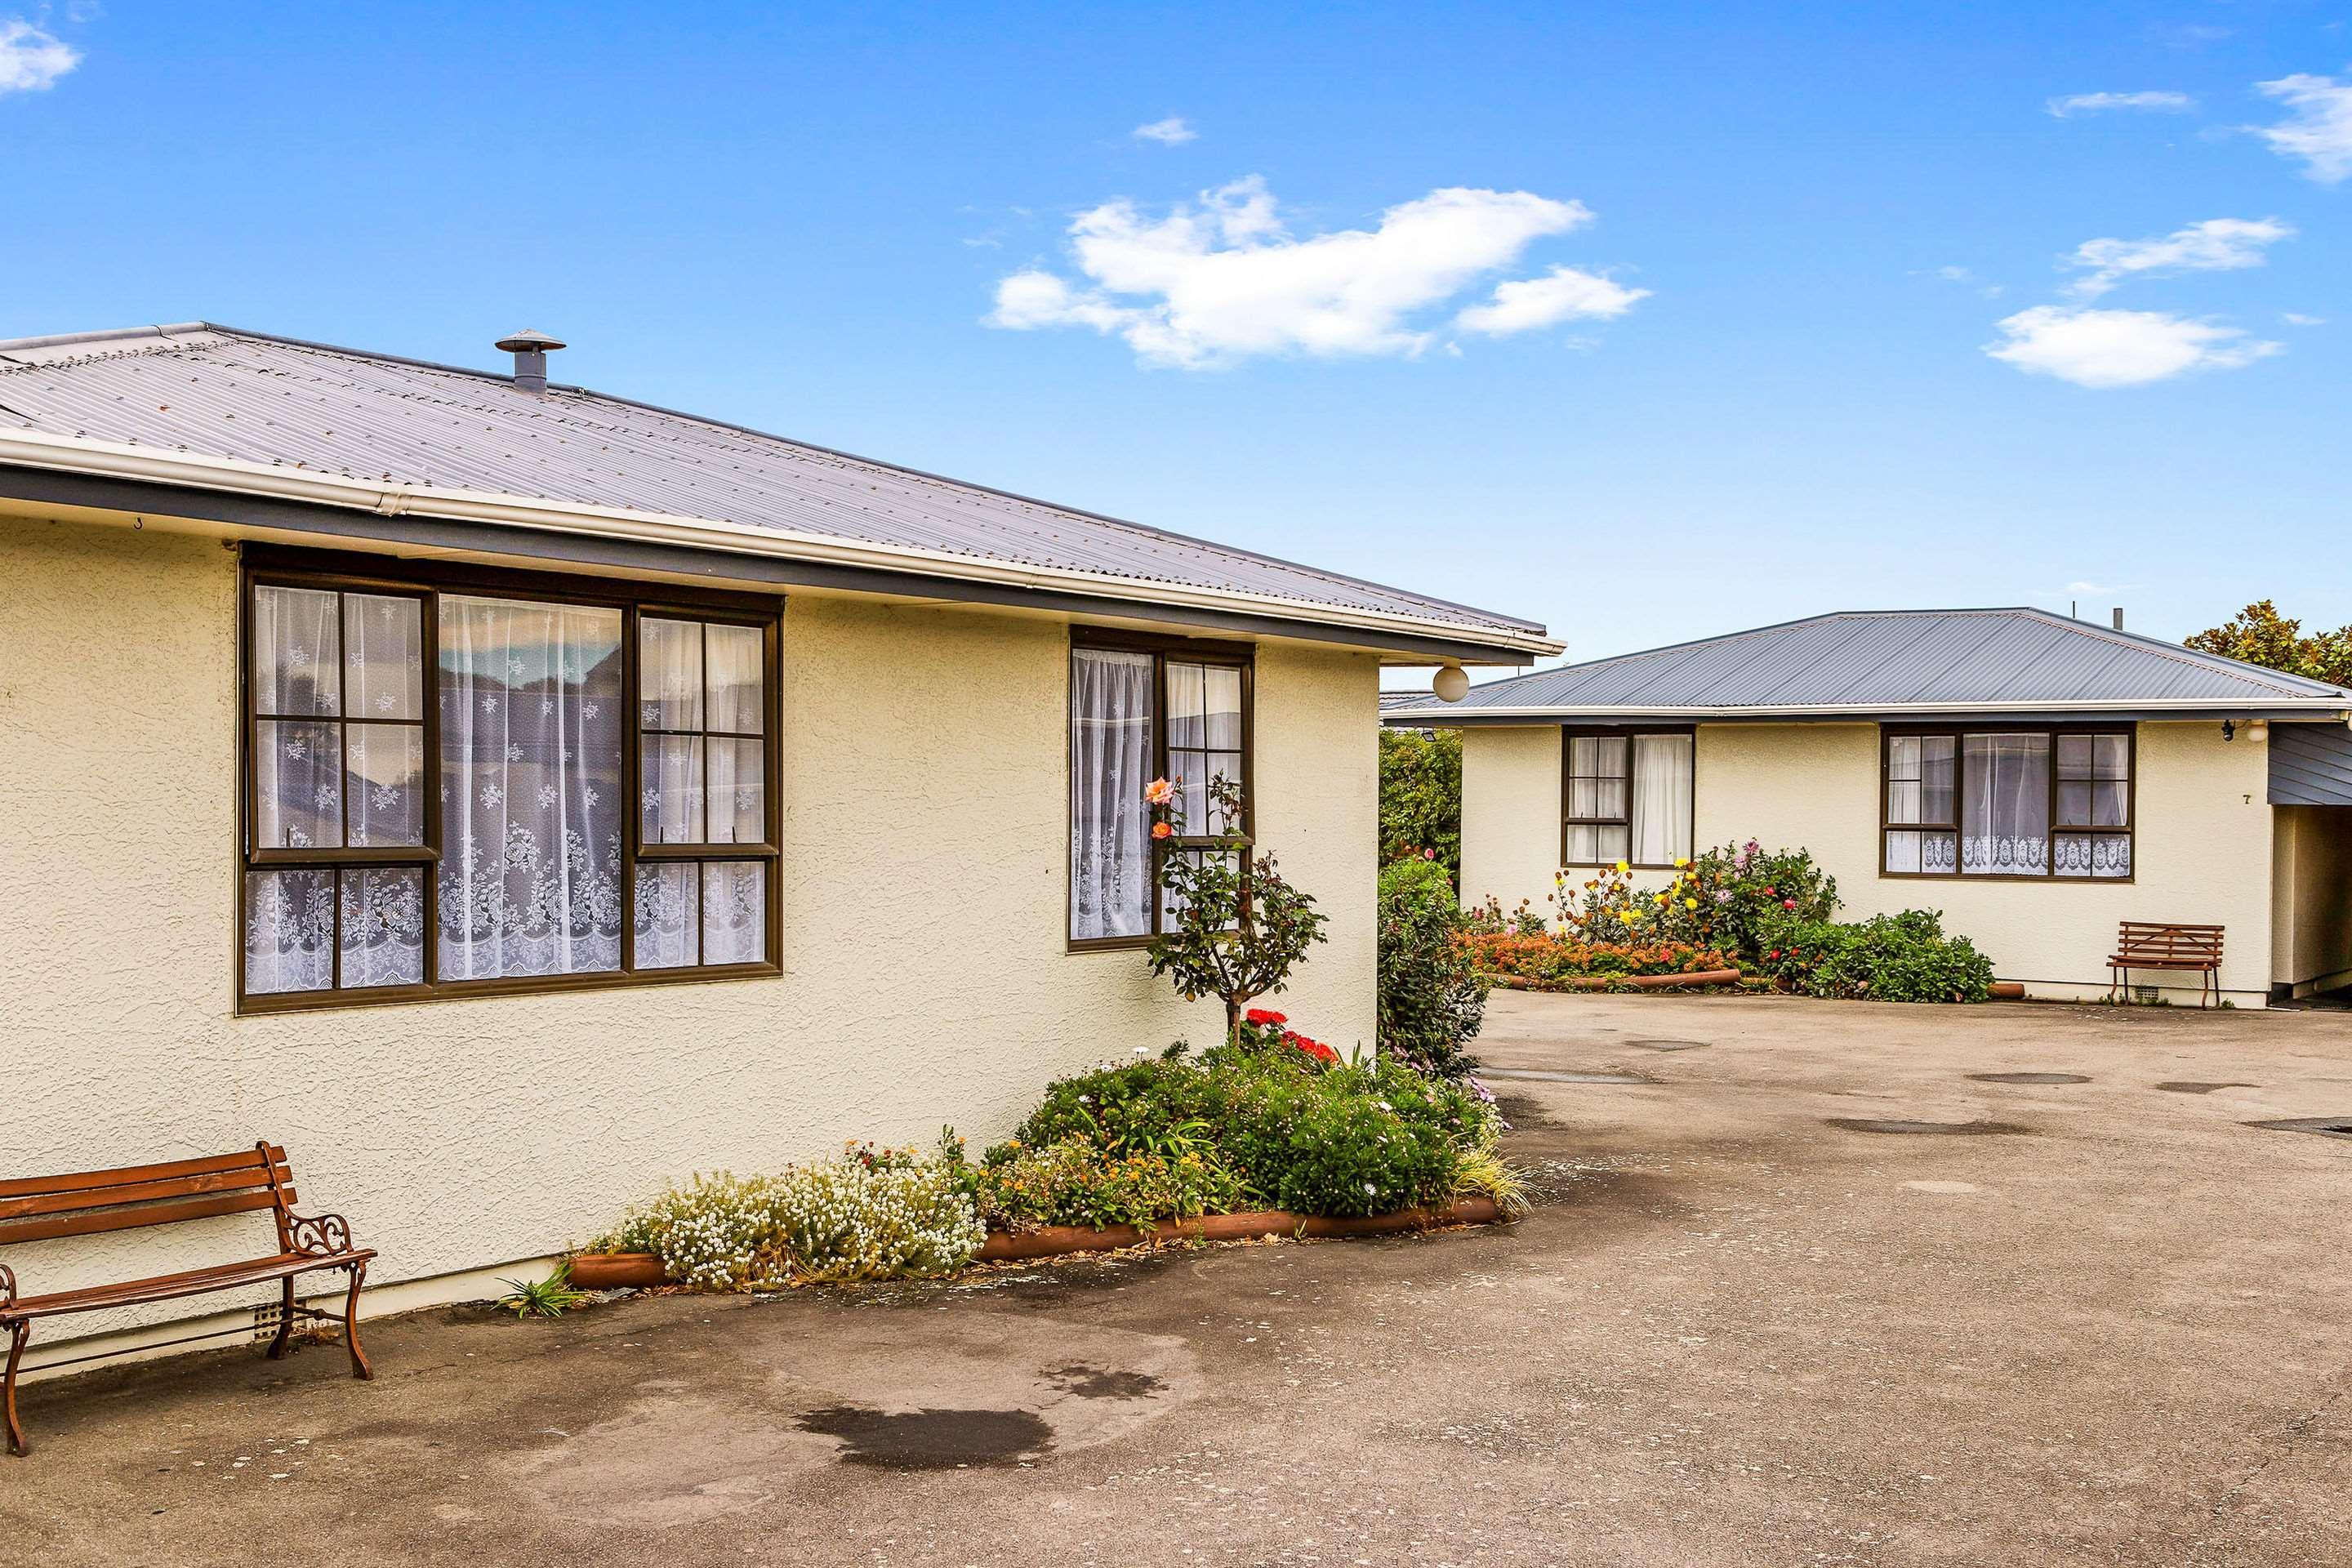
[1148,1108]
[1080,1183]
[1421,794]
[1903,957]
[1432,996]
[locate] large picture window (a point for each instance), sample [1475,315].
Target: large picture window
[2014,801]
[439,797]
[1141,711]
[1626,795]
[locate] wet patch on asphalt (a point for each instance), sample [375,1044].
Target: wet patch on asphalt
[1897,1125]
[2190,1087]
[2326,1126]
[2029,1077]
[1669,1045]
[1524,1115]
[931,1439]
[1102,1382]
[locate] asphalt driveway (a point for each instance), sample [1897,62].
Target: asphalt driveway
[2105,1323]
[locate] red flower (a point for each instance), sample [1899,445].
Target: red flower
[1264,1016]
[1788,903]
[1429,853]
[1774,953]
[1771,892]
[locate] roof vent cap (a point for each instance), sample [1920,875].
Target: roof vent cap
[531,350]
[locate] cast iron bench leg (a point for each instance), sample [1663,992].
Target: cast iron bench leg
[360,1368]
[16,1337]
[285,1319]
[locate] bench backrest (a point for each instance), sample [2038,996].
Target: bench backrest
[84,1203]
[2150,939]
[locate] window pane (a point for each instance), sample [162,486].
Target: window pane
[1583,798]
[1596,756]
[2005,814]
[1902,800]
[2111,756]
[1936,782]
[1583,843]
[384,926]
[1612,843]
[737,797]
[1903,757]
[2110,802]
[1901,851]
[290,930]
[1662,798]
[2073,756]
[2093,853]
[1224,766]
[298,776]
[669,915]
[530,697]
[1224,730]
[737,656]
[669,674]
[1939,853]
[385,777]
[670,797]
[296,652]
[2074,800]
[1188,704]
[1609,798]
[384,656]
[1110,763]
[734,912]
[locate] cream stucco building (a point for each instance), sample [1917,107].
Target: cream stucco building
[510,798]
[2037,779]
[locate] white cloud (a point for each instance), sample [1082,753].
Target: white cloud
[2297,319]
[30,60]
[2095,103]
[2217,245]
[2319,132]
[2120,348]
[1222,279]
[1168,132]
[1563,294]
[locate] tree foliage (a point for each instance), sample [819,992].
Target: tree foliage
[2259,635]
[1421,795]
[1237,927]
[1432,996]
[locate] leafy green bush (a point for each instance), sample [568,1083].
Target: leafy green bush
[1421,794]
[1722,900]
[1903,957]
[870,1214]
[1078,1183]
[1432,997]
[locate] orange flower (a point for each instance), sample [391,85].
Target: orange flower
[1160,792]
[1162,830]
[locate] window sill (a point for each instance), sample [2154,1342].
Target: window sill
[465,989]
[1106,944]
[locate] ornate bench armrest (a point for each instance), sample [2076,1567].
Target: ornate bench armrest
[7,1286]
[319,1234]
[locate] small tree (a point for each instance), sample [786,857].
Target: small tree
[2259,635]
[1237,927]
[1421,795]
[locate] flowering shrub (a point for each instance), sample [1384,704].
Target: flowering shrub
[1888,958]
[870,1214]
[1491,918]
[1718,900]
[1432,999]
[1264,1030]
[1238,927]
[1550,960]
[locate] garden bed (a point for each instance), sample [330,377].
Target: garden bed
[1705,977]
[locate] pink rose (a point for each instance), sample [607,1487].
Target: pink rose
[1788,903]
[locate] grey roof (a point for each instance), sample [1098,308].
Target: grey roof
[1893,661]
[219,391]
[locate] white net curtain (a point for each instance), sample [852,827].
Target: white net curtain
[1110,763]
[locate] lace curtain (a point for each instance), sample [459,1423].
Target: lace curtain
[1110,761]
[2005,805]
[1662,798]
[530,788]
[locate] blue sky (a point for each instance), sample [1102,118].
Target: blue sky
[1760,254]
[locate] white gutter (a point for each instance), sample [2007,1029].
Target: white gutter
[110,459]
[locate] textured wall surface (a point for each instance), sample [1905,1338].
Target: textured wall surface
[2201,851]
[2311,897]
[923,885]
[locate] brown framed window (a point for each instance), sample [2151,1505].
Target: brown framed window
[1626,795]
[1142,709]
[2031,801]
[461,782]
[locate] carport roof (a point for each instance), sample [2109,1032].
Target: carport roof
[1891,663]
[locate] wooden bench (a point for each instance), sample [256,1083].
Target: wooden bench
[2149,945]
[86,1203]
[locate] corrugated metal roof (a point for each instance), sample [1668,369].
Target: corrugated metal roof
[222,393]
[1893,661]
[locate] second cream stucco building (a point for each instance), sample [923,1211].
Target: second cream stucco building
[2037,779]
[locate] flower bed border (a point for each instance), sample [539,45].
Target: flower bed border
[643,1270]
[1608,982]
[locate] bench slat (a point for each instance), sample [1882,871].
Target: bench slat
[90,1222]
[125,1175]
[194,1281]
[255,1178]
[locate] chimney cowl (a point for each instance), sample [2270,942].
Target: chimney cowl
[531,350]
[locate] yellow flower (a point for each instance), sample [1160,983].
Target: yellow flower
[1657,898]
[1623,867]
[1690,903]
[1681,860]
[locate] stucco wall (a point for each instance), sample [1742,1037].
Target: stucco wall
[923,884]
[2202,850]
[2311,897]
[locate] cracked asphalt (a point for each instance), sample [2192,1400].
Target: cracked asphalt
[2098,1322]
